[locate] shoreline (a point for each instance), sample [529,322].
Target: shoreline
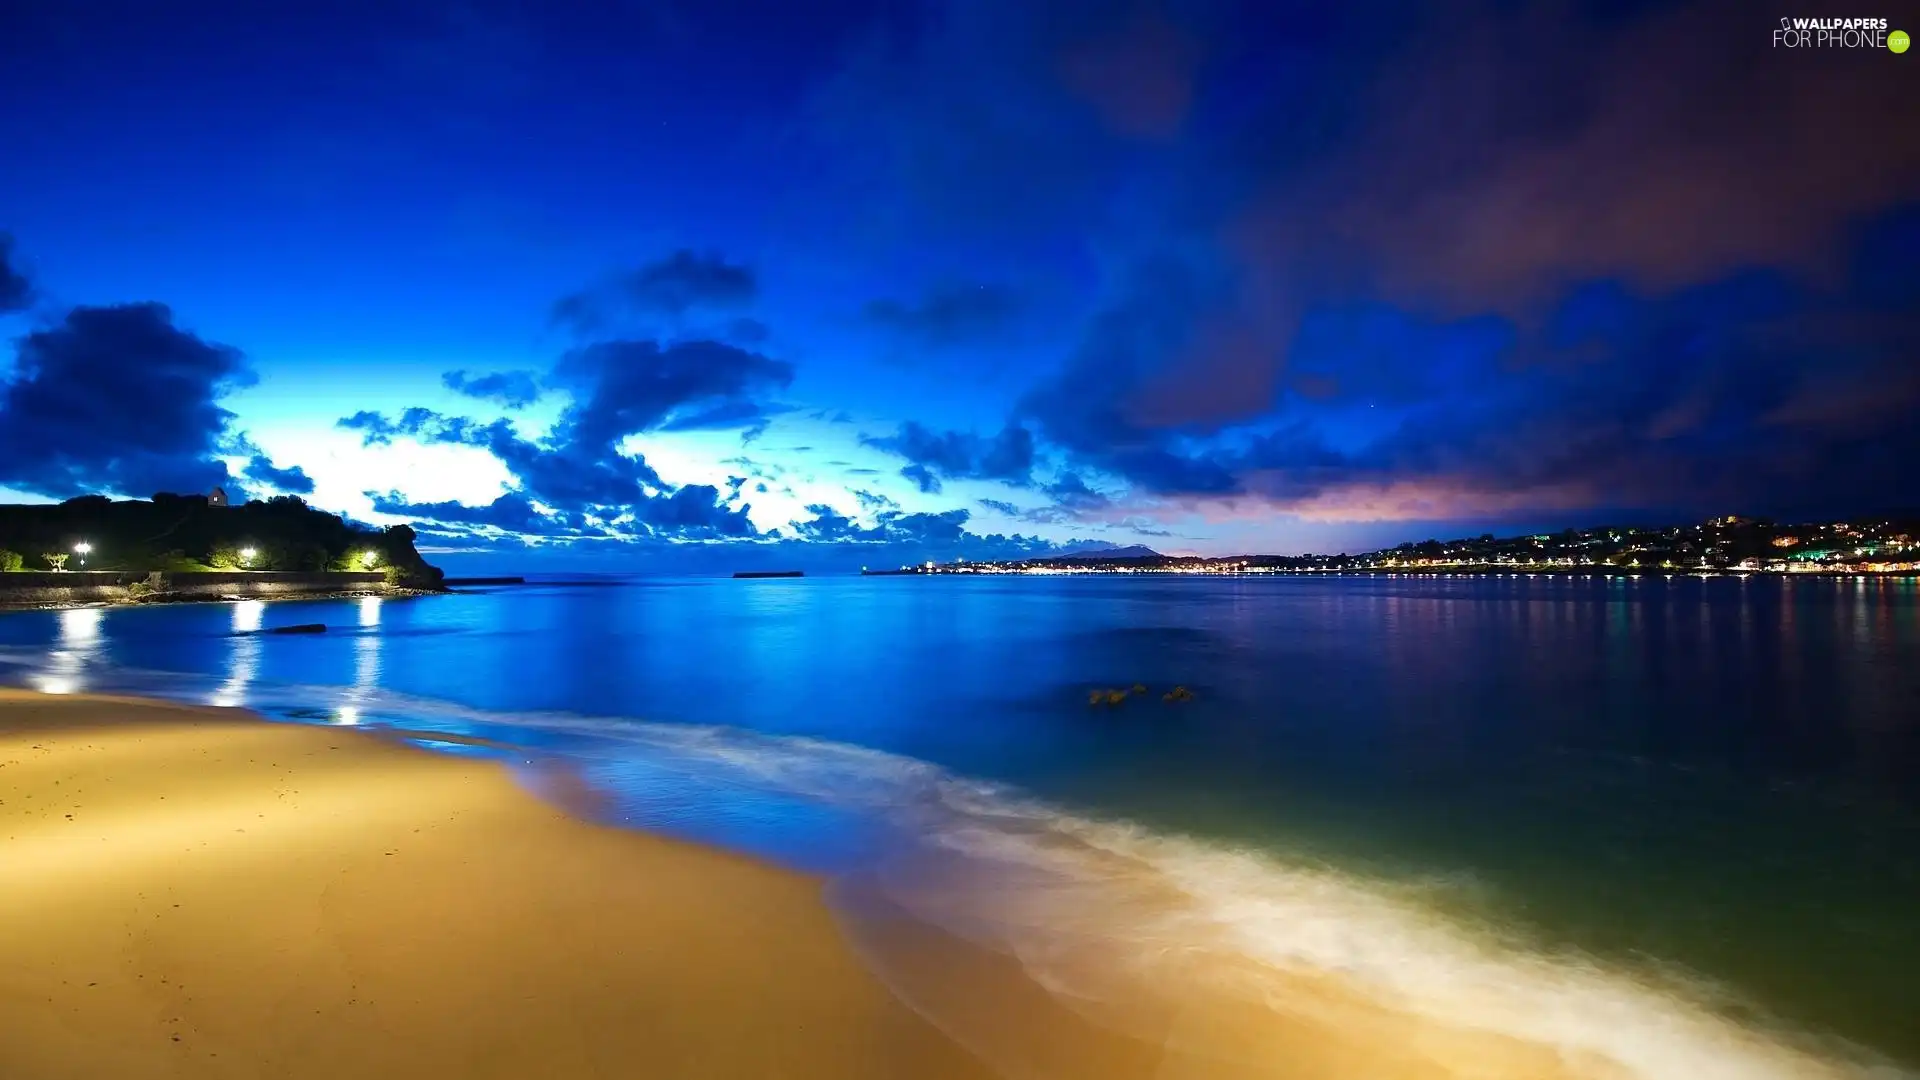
[201,891]
[1398,571]
[167,600]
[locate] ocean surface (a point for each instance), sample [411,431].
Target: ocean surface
[1669,824]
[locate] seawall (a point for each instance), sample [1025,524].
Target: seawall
[96,586]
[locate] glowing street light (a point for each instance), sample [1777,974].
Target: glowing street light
[81,550]
[369,558]
[246,555]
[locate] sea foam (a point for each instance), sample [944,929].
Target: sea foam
[1104,914]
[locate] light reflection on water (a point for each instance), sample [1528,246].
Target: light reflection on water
[65,670]
[366,662]
[1688,769]
[244,664]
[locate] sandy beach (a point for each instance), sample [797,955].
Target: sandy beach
[198,893]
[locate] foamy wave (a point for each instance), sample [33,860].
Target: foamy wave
[1103,914]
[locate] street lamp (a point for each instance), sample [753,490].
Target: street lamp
[246,555]
[369,558]
[81,550]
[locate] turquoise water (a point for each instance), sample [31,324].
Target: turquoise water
[1671,822]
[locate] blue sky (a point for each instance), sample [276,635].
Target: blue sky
[895,278]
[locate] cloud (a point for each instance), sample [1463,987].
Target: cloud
[695,511]
[116,399]
[511,389]
[511,512]
[626,387]
[671,287]
[1072,501]
[951,315]
[1072,492]
[958,455]
[1001,506]
[692,512]
[16,291]
[617,389]
[871,502]
[292,480]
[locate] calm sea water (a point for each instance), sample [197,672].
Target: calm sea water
[1606,802]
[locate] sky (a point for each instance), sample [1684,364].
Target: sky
[664,285]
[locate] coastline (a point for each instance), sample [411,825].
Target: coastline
[165,599]
[199,891]
[1044,570]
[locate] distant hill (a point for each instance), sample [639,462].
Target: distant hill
[186,532]
[1107,551]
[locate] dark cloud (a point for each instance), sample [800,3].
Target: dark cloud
[959,455]
[695,511]
[828,524]
[1759,392]
[16,291]
[292,480]
[692,512]
[259,473]
[749,333]
[376,429]
[116,399]
[511,512]
[840,416]
[872,502]
[669,288]
[580,468]
[561,470]
[1339,276]
[617,389]
[511,389]
[1072,493]
[951,315]
[622,388]
[1073,501]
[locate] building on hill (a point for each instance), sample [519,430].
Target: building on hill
[217,497]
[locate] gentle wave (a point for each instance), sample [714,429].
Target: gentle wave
[1125,926]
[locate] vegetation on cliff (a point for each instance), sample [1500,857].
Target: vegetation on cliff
[185,532]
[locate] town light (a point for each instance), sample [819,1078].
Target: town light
[369,558]
[81,550]
[246,555]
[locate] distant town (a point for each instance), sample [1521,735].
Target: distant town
[1727,545]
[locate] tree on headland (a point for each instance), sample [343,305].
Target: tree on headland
[172,531]
[224,557]
[55,560]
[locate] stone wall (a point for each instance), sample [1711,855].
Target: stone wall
[94,586]
[218,583]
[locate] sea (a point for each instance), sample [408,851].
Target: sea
[1668,824]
